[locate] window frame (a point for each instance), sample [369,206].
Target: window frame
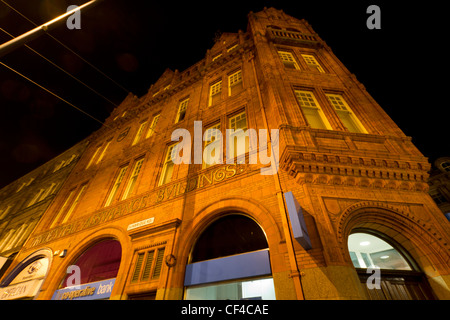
[182,110]
[308,58]
[113,192]
[317,107]
[283,53]
[132,180]
[167,159]
[239,82]
[140,132]
[217,96]
[356,122]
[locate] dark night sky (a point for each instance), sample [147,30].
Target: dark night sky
[403,65]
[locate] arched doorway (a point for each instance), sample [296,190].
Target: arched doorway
[230,260]
[92,275]
[385,269]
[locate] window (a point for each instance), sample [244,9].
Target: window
[116,185]
[311,110]
[4,212]
[239,139]
[232,47]
[148,265]
[63,208]
[215,92]
[133,179]
[74,203]
[93,157]
[152,128]
[104,151]
[217,56]
[167,171]
[445,166]
[344,113]
[213,146]
[36,197]
[234,265]
[140,132]
[437,196]
[288,60]
[312,63]
[182,110]
[235,82]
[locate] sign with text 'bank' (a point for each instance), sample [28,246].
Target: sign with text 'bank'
[88,291]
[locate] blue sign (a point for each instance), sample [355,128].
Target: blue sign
[298,225]
[88,291]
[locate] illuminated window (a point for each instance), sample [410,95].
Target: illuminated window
[74,203]
[312,63]
[93,156]
[239,138]
[217,56]
[215,92]
[348,118]
[311,110]
[212,144]
[166,174]
[140,132]
[182,110]
[368,251]
[152,128]
[116,185]
[235,83]
[104,151]
[133,179]
[288,60]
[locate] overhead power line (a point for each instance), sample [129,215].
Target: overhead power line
[61,69]
[67,48]
[52,93]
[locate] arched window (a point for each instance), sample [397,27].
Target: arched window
[92,275]
[369,251]
[230,260]
[385,270]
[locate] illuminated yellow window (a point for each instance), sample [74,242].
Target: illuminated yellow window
[288,59]
[182,110]
[166,174]
[152,128]
[312,63]
[215,92]
[235,82]
[239,137]
[210,140]
[116,186]
[345,114]
[311,110]
[132,181]
[140,132]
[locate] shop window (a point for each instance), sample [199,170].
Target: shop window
[230,260]
[99,262]
[397,278]
[368,251]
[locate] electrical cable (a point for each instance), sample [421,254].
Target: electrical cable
[54,94]
[67,48]
[61,69]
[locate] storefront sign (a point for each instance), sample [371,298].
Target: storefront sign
[88,291]
[140,224]
[298,225]
[21,290]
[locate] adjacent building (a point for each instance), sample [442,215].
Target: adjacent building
[326,199]
[23,201]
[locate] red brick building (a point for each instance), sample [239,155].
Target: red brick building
[138,226]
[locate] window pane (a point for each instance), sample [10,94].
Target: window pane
[371,251]
[260,289]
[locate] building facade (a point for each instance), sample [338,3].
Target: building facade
[23,201]
[332,202]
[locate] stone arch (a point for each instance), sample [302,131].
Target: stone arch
[86,242]
[419,239]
